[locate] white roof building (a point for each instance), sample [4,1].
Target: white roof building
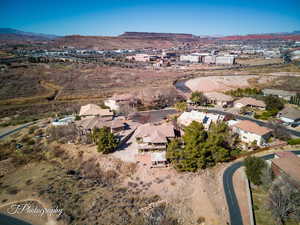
[206,119]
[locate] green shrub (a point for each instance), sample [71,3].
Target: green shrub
[31,142]
[32,129]
[254,167]
[295,141]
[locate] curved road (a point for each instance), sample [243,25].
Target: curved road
[232,203]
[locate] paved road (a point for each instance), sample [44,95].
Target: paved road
[262,123]
[232,203]
[16,129]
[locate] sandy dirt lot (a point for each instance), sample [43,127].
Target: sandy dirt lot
[218,83]
[192,195]
[26,195]
[225,83]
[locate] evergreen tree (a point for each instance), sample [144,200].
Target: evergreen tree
[198,98]
[105,140]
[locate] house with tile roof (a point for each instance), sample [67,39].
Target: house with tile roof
[287,164]
[250,131]
[219,99]
[204,118]
[151,137]
[250,102]
[116,101]
[289,115]
[95,110]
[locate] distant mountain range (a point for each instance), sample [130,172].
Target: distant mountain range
[130,39]
[13,32]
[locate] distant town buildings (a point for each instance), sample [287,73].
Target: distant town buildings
[190,58]
[225,60]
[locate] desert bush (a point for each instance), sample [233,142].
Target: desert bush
[12,190]
[32,129]
[39,132]
[31,141]
[161,214]
[68,132]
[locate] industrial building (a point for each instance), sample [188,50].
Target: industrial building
[210,59]
[225,60]
[190,58]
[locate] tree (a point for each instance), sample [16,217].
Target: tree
[174,150]
[266,177]
[202,148]
[273,103]
[254,166]
[284,201]
[181,106]
[279,131]
[198,98]
[105,140]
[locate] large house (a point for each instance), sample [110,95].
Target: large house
[86,125]
[218,98]
[152,141]
[95,110]
[250,132]
[250,102]
[115,102]
[289,115]
[152,137]
[287,164]
[206,119]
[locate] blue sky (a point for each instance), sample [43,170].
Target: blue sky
[112,17]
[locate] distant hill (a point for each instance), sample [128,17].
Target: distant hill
[295,35]
[9,35]
[130,40]
[155,35]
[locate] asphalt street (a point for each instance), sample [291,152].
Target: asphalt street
[232,203]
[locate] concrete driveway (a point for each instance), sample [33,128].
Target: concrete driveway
[128,152]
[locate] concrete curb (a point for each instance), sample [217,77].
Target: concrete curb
[250,200]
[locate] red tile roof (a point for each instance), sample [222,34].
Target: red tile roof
[251,101]
[252,127]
